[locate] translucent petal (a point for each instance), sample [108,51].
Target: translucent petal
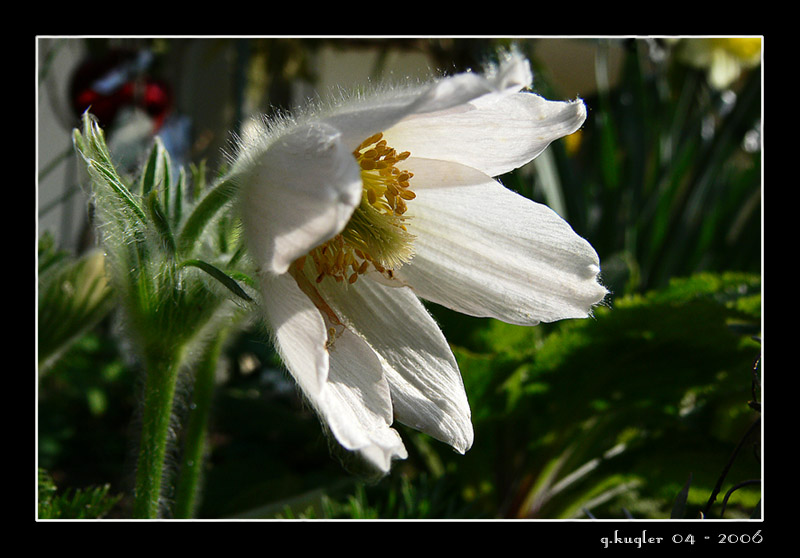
[357,405]
[484,250]
[297,194]
[344,383]
[378,113]
[427,390]
[298,329]
[495,134]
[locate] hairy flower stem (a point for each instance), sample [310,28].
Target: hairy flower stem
[159,391]
[194,449]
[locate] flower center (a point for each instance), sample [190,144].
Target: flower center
[376,234]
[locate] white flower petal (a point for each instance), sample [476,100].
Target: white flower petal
[297,193]
[356,403]
[479,248]
[484,250]
[377,114]
[512,75]
[298,329]
[495,134]
[427,390]
[345,385]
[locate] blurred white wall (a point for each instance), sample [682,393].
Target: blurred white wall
[53,142]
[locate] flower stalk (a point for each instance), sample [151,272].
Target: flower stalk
[196,432]
[169,265]
[159,394]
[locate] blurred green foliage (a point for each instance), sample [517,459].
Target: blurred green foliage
[92,503]
[640,397]
[649,409]
[73,297]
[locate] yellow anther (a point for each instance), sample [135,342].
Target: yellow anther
[376,234]
[370,140]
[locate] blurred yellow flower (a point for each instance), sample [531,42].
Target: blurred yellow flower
[723,58]
[572,142]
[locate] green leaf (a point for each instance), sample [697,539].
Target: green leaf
[157,174]
[180,187]
[74,295]
[159,218]
[227,281]
[152,173]
[92,148]
[679,507]
[203,213]
[664,375]
[88,503]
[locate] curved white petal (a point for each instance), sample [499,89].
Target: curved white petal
[427,390]
[300,187]
[356,402]
[375,114]
[479,249]
[495,133]
[298,329]
[484,250]
[344,383]
[297,193]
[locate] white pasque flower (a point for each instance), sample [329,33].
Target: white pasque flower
[357,211]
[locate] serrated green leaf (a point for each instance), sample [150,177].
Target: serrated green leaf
[659,366]
[89,503]
[92,148]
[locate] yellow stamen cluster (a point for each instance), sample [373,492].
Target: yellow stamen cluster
[385,186]
[337,259]
[376,234]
